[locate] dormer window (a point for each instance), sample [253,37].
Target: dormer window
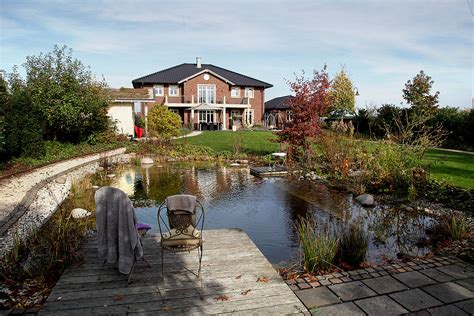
[235,92]
[158,91]
[173,91]
[249,93]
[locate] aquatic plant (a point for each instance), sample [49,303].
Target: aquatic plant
[454,226]
[318,249]
[353,244]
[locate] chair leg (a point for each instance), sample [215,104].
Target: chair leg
[199,271]
[131,272]
[146,261]
[162,268]
[101,269]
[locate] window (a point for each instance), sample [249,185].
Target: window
[173,91]
[235,92]
[234,114]
[248,117]
[249,92]
[175,111]
[206,93]
[158,91]
[206,116]
[288,115]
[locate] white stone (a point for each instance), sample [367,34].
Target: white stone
[100,169]
[95,187]
[234,164]
[80,213]
[146,161]
[365,199]
[61,180]
[111,175]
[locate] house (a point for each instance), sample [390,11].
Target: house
[206,96]
[277,112]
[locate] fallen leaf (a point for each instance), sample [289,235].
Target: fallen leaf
[239,276]
[263,279]
[167,308]
[221,298]
[246,292]
[119,297]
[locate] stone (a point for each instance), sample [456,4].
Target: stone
[447,310]
[95,187]
[366,199]
[380,305]
[61,180]
[384,285]
[348,308]
[234,164]
[449,292]
[317,297]
[304,286]
[467,306]
[111,175]
[456,271]
[146,161]
[414,279]
[436,275]
[80,213]
[415,300]
[467,283]
[352,291]
[99,169]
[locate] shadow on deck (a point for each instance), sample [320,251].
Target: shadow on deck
[230,268]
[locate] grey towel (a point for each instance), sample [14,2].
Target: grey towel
[118,239]
[181,202]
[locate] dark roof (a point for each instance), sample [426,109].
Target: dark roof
[280,103]
[177,73]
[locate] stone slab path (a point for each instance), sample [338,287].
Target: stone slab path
[437,286]
[17,192]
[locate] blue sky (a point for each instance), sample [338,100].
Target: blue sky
[381,43]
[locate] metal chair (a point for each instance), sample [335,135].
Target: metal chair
[182,232]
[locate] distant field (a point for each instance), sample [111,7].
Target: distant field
[453,167]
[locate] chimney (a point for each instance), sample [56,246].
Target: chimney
[198,62]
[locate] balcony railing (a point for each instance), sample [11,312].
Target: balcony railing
[194,101]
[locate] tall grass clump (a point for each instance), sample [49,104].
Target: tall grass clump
[318,249]
[454,226]
[353,244]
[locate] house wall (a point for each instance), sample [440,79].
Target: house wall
[122,113]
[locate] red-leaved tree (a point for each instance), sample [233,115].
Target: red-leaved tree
[311,101]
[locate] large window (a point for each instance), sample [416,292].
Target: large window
[249,117]
[235,92]
[234,114]
[206,93]
[206,116]
[158,91]
[249,92]
[173,91]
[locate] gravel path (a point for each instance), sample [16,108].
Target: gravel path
[36,194]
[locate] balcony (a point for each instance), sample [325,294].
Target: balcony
[192,102]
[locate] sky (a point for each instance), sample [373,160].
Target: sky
[382,44]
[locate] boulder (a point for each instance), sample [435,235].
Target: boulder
[80,213]
[61,180]
[99,169]
[366,199]
[146,161]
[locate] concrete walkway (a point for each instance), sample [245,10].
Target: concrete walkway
[193,133]
[17,192]
[438,286]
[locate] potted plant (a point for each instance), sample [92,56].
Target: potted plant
[139,125]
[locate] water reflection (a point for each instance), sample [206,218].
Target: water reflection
[267,208]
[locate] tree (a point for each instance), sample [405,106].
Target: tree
[163,123]
[342,92]
[311,101]
[72,103]
[417,93]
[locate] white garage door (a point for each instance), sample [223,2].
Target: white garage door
[122,114]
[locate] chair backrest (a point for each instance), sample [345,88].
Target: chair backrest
[184,220]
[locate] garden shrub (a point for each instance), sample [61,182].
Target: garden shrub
[353,244]
[163,123]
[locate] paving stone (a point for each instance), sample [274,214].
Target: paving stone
[383,273]
[366,276]
[385,285]
[352,291]
[353,273]
[315,284]
[290,282]
[415,300]
[401,270]
[414,279]
[456,271]
[417,268]
[337,275]
[437,275]
[446,310]
[380,305]
[356,277]
[370,270]
[324,282]
[375,274]
[408,269]
[347,308]
[317,297]
[294,287]
[449,292]
[335,281]
[411,264]
[467,306]
[345,279]
[467,283]
[300,280]
[304,286]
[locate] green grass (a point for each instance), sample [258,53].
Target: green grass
[253,142]
[453,167]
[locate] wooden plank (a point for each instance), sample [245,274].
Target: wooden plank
[231,266]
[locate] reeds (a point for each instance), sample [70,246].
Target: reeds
[353,244]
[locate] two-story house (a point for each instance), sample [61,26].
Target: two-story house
[206,96]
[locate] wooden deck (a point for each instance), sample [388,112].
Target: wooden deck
[271,171]
[230,268]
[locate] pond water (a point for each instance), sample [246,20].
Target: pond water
[266,209]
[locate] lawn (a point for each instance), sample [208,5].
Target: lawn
[252,143]
[453,167]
